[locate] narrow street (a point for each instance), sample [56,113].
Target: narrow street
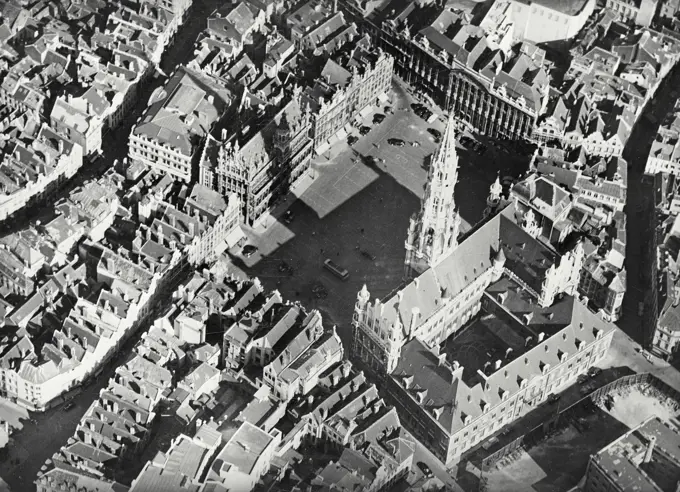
[640,212]
[45,433]
[115,142]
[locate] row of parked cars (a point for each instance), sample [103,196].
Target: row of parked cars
[422,111]
[365,130]
[476,147]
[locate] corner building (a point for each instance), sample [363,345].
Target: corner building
[505,302]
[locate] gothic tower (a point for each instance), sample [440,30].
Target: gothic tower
[433,232]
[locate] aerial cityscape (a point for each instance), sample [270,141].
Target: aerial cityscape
[340,245]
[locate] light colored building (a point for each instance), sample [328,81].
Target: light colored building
[252,338]
[179,117]
[204,379]
[537,21]
[203,224]
[296,369]
[117,428]
[245,458]
[643,458]
[664,154]
[29,174]
[75,118]
[180,468]
[640,12]
[667,193]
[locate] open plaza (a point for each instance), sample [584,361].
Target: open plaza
[361,200]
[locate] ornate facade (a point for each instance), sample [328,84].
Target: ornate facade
[433,232]
[261,167]
[488,93]
[346,88]
[536,335]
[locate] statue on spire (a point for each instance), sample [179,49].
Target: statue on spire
[494,199]
[433,233]
[530,225]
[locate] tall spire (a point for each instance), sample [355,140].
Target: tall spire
[433,233]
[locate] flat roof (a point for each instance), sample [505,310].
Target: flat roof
[245,447]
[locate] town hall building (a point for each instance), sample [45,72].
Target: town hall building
[486,327]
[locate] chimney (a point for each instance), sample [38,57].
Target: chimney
[650,449]
[442,359]
[497,364]
[541,336]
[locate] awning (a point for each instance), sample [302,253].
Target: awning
[342,134]
[234,236]
[366,111]
[348,128]
[383,97]
[322,148]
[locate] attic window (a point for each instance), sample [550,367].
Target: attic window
[526,361]
[564,336]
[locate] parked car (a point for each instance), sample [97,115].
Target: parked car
[552,398]
[415,144]
[288,217]
[581,379]
[425,469]
[378,118]
[364,130]
[424,113]
[434,132]
[417,106]
[352,139]
[388,110]
[68,405]
[396,142]
[368,255]
[249,250]
[594,372]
